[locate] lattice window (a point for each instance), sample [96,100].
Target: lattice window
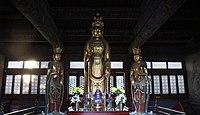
[159,65]
[31,64]
[81,82]
[165,87]
[72,83]
[44,64]
[111,82]
[15,64]
[173,84]
[116,65]
[8,88]
[150,81]
[181,85]
[25,85]
[174,65]
[17,84]
[120,81]
[43,84]
[156,81]
[148,65]
[34,84]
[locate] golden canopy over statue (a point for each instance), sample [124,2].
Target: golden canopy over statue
[96,60]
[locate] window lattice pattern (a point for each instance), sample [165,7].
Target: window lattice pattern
[156,81]
[17,84]
[111,83]
[72,83]
[26,82]
[81,82]
[173,84]
[43,84]
[15,64]
[181,86]
[120,81]
[44,64]
[34,84]
[31,64]
[8,88]
[165,87]
[159,65]
[150,81]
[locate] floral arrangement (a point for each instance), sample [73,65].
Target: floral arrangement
[77,90]
[120,98]
[75,98]
[118,90]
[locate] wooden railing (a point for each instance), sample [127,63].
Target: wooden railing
[165,111]
[168,111]
[26,111]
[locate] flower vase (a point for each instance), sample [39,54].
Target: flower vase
[120,106]
[118,93]
[77,107]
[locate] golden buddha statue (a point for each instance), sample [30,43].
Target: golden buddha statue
[139,83]
[97,62]
[54,84]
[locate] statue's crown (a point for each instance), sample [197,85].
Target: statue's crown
[97,22]
[57,50]
[136,51]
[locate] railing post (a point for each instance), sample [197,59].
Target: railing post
[1,110]
[156,106]
[36,106]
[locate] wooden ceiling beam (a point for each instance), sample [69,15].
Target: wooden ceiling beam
[36,11]
[153,15]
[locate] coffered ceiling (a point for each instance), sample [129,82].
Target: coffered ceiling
[157,26]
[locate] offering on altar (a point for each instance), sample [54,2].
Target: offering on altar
[98,100]
[120,99]
[76,99]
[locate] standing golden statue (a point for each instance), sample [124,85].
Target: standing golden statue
[54,84]
[97,67]
[139,84]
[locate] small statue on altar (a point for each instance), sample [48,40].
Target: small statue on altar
[97,64]
[54,84]
[98,100]
[139,83]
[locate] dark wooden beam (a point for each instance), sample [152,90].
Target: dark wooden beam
[36,11]
[154,15]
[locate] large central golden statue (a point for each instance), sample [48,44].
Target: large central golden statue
[97,67]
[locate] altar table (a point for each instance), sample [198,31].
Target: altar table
[100,113]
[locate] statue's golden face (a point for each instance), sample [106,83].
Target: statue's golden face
[137,57]
[97,33]
[57,57]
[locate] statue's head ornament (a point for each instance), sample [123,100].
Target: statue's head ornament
[136,51]
[57,50]
[97,22]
